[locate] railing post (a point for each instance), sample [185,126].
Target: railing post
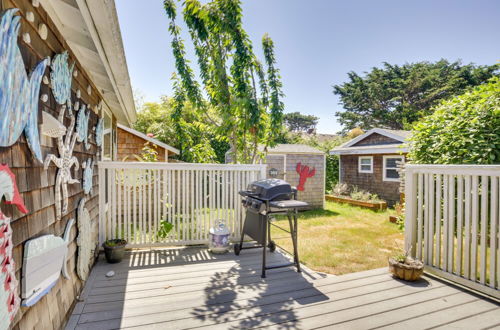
[410,211]
[263,173]
[102,204]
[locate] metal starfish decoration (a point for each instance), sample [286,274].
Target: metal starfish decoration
[65,161]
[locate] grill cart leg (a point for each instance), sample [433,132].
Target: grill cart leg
[238,247]
[271,245]
[264,247]
[293,230]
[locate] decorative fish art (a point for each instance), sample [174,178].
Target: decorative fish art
[82,127]
[61,77]
[19,93]
[99,132]
[88,174]
[44,259]
[85,241]
[9,300]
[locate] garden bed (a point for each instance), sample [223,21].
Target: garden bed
[375,206]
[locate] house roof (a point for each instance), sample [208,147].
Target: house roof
[92,31]
[399,136]
[294,149]
[149,139]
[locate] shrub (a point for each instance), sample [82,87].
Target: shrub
[462,130]
[344,190]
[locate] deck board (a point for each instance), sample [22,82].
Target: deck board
[191,288]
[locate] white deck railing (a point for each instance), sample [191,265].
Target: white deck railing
[135,197]
[452,222]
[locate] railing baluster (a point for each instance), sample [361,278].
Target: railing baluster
[460,219]
[438,220]
[494,208]
[484,224]
[474,221]
[467,209]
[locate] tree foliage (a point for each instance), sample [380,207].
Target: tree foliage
[462,130]
[197,142]
[396,96]
[244,96]
[297,122]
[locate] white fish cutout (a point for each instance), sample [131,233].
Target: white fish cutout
[19,93]
[44,259]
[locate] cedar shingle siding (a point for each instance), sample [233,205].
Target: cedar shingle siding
[376,139]
[36,185]
[372,182]
[130,145]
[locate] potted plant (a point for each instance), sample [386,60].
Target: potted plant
[114,249]
[405,267]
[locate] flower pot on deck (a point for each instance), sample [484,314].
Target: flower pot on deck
[114,250]
[410,270]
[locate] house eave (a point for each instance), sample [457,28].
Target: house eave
[369,151]
[92,32]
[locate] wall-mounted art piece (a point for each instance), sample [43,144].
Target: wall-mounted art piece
[9,300]
[19,92]
[61,77]
[82,126]
[88,173]
[99,132]
[64,162]
[51,126]
[85,241]
[304,174]
[44,259]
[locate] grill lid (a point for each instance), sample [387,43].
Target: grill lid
[269,189]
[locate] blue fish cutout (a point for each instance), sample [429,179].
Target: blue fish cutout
[61,77]
[19,93]
[82,127]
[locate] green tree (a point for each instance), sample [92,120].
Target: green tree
[462,130]
[245,97]
[198,142]
[396,96]
[297,122]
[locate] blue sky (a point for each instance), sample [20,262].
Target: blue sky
[319,41]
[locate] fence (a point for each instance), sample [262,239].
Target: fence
[452,222]
[138,201]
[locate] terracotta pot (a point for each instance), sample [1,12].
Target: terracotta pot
[406,272]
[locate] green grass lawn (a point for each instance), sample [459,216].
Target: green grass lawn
[343,239]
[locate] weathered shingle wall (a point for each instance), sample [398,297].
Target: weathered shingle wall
[130,146]
[372,182]
[36,185]
[376,139]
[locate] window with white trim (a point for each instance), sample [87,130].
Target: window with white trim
[390,167]
[107,145]
[365,164]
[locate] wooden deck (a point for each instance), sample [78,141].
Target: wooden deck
[190,288]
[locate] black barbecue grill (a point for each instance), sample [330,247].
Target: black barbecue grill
[263,199]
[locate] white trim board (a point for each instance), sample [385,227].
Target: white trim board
[369,150]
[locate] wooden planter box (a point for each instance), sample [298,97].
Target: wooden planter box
[375,206]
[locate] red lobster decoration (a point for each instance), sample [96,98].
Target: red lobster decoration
[9,300]
[304,173]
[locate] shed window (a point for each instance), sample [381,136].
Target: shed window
[365,164]
[390,167]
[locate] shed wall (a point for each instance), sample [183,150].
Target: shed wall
[372,182]
[130,145]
